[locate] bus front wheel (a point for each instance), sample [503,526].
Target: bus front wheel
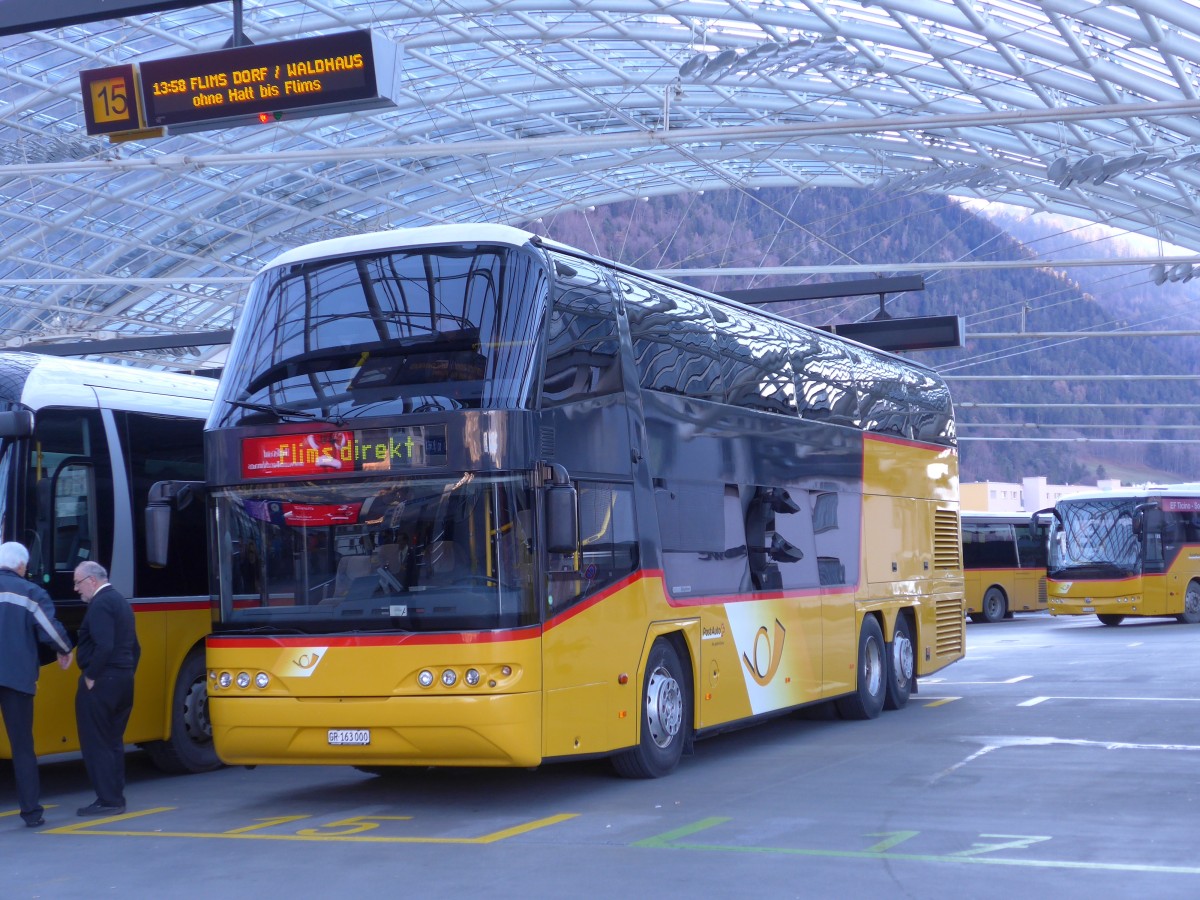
[900,666]
[665,720]
[867,700]
[1191,605]
[1110,618]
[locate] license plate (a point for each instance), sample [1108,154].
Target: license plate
[344,737]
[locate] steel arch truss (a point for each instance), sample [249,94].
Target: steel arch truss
[509,111]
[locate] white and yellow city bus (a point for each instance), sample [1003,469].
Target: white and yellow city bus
[1124,553]
[481,499]
[1004,563]
[82,446]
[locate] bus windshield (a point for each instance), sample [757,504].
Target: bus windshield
[383,333]
[413,554]
[1094,537]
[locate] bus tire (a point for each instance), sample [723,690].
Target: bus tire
[666,715]
[901,666]
[190,748]
[1191,605]
[867,700]
[1110,619]
[995,605]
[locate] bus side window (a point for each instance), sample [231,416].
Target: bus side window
[674,342]
[69,487]
[582,346]
[159,448]
[755,363]
[608,549]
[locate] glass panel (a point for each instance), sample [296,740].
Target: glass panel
[988,545]
[386,333]
[582,346]
[1095,535]
[421,554]
[69,490]
[160,448]
[755,362]
[673,340]
[608,549]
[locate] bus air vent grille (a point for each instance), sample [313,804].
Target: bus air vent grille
[947,540]
[951,628]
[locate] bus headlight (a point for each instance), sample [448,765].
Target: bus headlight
[224,680]
[471,677]
[449,676]
[261,680]
[243,679]
[425,679]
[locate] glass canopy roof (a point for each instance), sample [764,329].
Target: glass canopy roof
[508,111]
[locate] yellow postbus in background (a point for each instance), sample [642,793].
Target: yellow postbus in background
[1124,553]
[82,447]
[481,499]
[1004,564]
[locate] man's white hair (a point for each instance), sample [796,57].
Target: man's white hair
[13,555]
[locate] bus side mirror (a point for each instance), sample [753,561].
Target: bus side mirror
[165,498]
[16,423]
[562,519]
[562,511]
[1034,518]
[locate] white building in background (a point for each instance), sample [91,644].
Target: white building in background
[1030,495]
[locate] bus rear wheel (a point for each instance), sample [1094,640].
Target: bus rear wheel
[1191,605]
[867,700]
[1111,619]
[901,667]
[995,605]
[665,720]
[190,748]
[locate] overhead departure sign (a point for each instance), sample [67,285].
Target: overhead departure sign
[242,85]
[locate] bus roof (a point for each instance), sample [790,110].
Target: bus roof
[506,235]
[38,381]
[402,238]
[1154,490]
[1006,516]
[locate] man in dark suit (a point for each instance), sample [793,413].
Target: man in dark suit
[107,653]
[26,622]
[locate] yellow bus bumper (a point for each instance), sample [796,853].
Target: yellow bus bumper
[407,731]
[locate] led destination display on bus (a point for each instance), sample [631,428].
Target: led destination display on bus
[344,452]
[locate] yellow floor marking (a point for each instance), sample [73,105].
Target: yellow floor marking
[941,702]
[307,834]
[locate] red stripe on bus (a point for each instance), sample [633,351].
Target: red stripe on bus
[373,640]
[146,606]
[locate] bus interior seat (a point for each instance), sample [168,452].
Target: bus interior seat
[349,569]
[390,556]
[442,558]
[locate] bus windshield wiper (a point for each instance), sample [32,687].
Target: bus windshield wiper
[283,414]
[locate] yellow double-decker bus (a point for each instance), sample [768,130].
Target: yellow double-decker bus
[1004,564]
[82,447]
[1123,553]
[480,499]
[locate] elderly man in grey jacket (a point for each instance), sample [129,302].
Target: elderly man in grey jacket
[26,620]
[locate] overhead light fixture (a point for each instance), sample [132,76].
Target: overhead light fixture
[1097,169]
[769,58]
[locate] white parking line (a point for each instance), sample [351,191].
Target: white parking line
[1034,701]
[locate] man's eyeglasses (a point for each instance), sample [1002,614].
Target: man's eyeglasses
[79,581]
